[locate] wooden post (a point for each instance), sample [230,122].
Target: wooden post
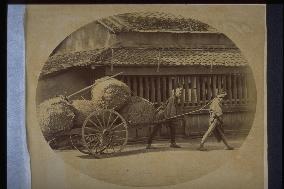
[203,90]
[229,92]
[134,80]
[219,83]
[170,85]
[224,83]
[182,92]
[128,82]
[240,89]
[197,86]
[193,90]
[164,79]
[245,96]
[186,98]
[159,90]
[141,87]
[147,92]
[214,86]
[175,84]
[209,93]
[235,97]
[153,92]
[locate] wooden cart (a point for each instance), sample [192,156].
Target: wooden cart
[105,132]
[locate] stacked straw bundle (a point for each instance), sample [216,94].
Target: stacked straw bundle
[55,115]
[83,108]
[110,93]
[138,111]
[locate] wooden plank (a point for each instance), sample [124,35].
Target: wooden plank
[229,92]
[224,81]
[240,89]
[182,92]
[193,90]
[170,83]
[219,82]
[141,87]
[174,84]
[203,90]
[153,90]
[164,84]
[214,87]
[135,85]
[186,87]
[158,79]
[209,91]
[128,81]
[245,95]
[197,97]
[147,88]
[235,97]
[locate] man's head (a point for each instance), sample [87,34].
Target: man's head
[178,92]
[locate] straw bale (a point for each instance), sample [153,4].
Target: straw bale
[138,111]
[55,115]
[110,94]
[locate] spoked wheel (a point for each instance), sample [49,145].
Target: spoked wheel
[104,132]
[77,143]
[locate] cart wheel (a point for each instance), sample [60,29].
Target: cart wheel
[104,132]
[77,143]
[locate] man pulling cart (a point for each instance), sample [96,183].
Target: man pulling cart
[216,122]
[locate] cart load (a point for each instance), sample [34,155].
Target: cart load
[82,109]
[138,111]
[110,93]
[55,115]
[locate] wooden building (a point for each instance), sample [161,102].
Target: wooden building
[156,53]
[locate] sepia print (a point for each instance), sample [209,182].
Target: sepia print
[145,98]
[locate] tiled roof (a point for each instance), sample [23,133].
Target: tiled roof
[60,62]
[153,21]
[146,56]
[175,57]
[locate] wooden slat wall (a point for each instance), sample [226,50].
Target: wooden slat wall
[209,92]
[147,88]
[186,87]
[229,91]
[245,89]
[235,89]
[240,91]
[164,94]
[203,94]
[153,91]
[141,87]
[198,89]
[214,86]
[134,89]
[170,82]
[193,91]
[159,99]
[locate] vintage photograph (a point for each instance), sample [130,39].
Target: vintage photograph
[127,88]
[132,78]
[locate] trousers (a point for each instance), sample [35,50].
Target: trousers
[171,125]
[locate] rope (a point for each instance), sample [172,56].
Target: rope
[202,108]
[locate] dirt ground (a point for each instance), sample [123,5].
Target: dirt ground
[136,166]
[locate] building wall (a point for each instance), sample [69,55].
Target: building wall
[66,83]
[177,40]
[91,36]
